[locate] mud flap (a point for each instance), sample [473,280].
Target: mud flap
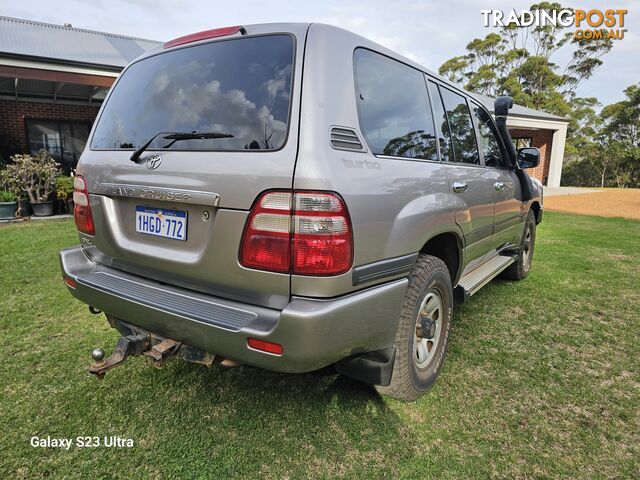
[373,367]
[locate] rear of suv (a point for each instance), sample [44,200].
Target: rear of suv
[294,196]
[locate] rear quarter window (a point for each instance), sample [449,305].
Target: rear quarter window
[393,107]
[241,87]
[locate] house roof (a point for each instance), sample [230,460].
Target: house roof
[519,110]
[27,38]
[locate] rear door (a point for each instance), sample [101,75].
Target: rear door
[244,92]
[471,182]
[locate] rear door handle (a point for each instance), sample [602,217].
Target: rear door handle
[499,186]
[459,187]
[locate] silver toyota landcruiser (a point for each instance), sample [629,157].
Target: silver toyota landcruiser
[293,197]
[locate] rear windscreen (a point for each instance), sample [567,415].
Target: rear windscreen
[237,91]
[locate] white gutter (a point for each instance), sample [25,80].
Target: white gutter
[57,67]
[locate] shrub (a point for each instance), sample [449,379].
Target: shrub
[6,196]
[34,175]
[64,187]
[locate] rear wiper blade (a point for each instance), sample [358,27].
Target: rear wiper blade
[175,137]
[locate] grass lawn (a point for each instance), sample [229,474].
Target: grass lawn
[542,379]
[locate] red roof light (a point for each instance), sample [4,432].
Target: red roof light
[194,37]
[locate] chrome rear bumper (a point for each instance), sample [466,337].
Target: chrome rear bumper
[313,332]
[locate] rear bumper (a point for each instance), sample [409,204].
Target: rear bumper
[313,332]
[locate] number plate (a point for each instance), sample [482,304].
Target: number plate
[161,222]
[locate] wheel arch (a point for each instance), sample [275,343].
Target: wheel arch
[537,211]
[447,246]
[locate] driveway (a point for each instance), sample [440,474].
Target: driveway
[606,202]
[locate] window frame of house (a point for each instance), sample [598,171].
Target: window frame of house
[30,121]
[527,140]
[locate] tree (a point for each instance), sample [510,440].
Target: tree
[602,148]
[606,148]
[518,61]
[623,118]
[416,144]
[622,129]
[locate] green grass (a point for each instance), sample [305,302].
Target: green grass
[541,380]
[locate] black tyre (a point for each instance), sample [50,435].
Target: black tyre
[423,330]
[520,268]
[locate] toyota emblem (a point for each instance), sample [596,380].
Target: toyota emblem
[153,161]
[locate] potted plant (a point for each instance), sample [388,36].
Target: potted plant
[8,204]
[36,176]
[64,192]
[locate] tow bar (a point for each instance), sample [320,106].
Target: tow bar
[135,341]
[139,344]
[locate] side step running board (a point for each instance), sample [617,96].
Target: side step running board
[479,277]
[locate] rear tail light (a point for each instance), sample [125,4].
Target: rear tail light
[267,239]
[322,240]
[82,209]
[305,233]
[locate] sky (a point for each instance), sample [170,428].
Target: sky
[427,31]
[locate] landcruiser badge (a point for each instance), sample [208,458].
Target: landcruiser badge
[153,161]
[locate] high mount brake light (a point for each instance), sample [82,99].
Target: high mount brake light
[195,37]
[305,233]
[82,210]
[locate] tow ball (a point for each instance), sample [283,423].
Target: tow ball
[129,345]
[139,344]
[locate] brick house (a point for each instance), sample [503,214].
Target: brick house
[53,79]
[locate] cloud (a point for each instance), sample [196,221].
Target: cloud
[197,100]
[279,85]
[187,92]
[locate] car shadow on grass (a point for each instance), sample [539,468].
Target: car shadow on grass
[272,423]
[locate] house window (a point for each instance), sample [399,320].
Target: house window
[64,140]
[522,142]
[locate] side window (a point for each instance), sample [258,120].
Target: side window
[442,124]
[463,134]
[489,143]
[393,107]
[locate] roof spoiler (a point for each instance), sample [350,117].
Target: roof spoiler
[501,108]
[215,33]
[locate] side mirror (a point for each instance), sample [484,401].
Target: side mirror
[528,157]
